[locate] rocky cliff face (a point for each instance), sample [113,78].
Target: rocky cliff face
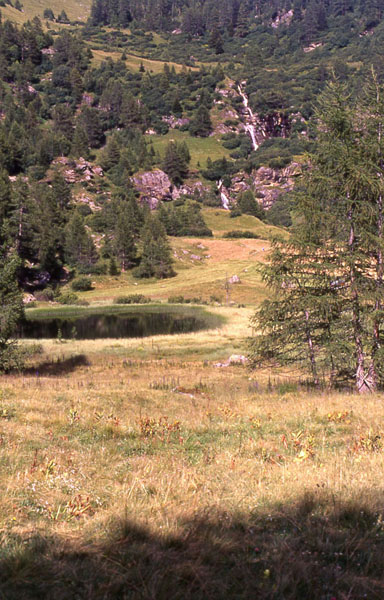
[267,184]
[260,127]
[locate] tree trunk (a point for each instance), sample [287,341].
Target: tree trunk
[363,381]
[311,351]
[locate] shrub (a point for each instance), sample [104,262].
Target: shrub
[81,284]
[46,295]
[176,300]
[241,234]
[68,298]
[32,304]
[132,299]
[96,269]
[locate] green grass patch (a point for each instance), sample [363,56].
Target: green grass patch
[134,61]
[220,222]
[76,11]
[199,148]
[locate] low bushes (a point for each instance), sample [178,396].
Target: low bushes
[132,299]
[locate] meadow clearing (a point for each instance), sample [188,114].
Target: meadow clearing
[137,468]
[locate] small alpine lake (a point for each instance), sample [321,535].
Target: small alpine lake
[136,321]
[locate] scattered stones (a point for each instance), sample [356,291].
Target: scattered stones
[78,171]
[234,359]
[174,122]
[234,279]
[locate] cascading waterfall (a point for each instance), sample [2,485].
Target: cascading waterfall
[223,196]
[249,127]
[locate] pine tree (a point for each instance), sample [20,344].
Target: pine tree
[79,247]
[201,124]
[123,242]
[11,310]
[61,192]
[242,25]
[156,260]
[110,155]
[216,41]
[80,143]
[175,162]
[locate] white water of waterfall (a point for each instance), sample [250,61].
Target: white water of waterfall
[223,196]
[249,127]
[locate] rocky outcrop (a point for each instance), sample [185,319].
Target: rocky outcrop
[77,171]
[155,186]
[174,122]
[282,18]
[267,184]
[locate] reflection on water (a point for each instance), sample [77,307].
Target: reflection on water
[132,324]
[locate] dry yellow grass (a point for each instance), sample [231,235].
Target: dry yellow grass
[151,432]
[238,445]
[203,278]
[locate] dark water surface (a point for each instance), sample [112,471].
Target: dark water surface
[138,323]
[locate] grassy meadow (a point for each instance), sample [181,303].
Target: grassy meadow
[199,148]
[134,62]
[76,11]
[140,469]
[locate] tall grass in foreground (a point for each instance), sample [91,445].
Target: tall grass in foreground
[142,474]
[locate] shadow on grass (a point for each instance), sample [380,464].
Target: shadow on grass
[315,549]
[58,366]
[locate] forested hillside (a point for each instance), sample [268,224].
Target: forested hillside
[166,108]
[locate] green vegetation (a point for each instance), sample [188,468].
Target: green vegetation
[164,467]
[221,223]
[11,310]
[327,279]
[199,148]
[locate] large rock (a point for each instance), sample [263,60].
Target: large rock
[153,186]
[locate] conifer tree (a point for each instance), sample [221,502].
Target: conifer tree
[61,192]
[328,279]
[123,242]
[79,246]
[175,162]
[80,143]
[11,310]
[156,260]
[201,124]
